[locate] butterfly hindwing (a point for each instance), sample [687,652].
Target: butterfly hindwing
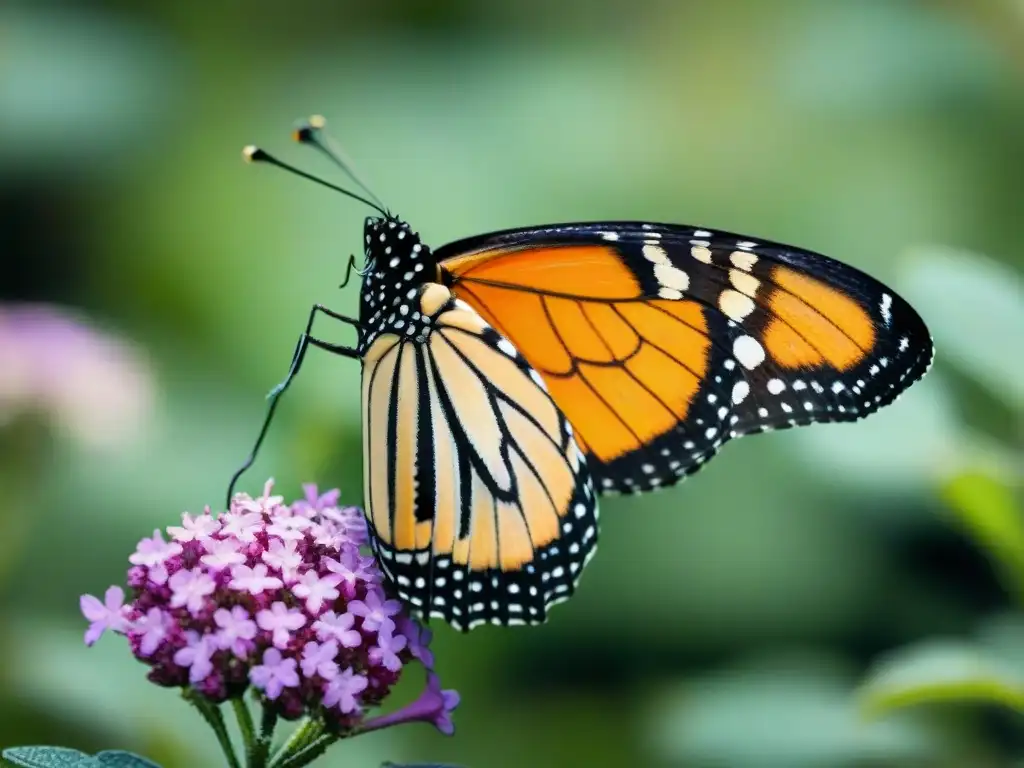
[662,342]
[479,501]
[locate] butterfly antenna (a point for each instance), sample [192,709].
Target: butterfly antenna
[254,154]
[314,133]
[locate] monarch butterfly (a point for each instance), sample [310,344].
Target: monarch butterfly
[510,378]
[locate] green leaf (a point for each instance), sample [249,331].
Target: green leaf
[941,671]
[118,758]
[782,713]
[979,341]
[49,757]
[987,508]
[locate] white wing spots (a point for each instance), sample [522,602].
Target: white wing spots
[671,277]
[743,260]
[655,254]
[786,407]
[838,386]
[762,412]
[701,233]
[799,385]
[744,283]
[808,405]
[748,351]
[670,293]
[886,308]
[729,364]
[735,305]
[506,346]
[904,343]
[610,236]
[740,390]
[701,253]
[722,413]
[746,245]
[712,398]
[710,433]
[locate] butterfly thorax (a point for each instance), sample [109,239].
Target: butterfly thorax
[397,266]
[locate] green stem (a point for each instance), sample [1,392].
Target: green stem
[261,748]
[244,717]
[310,753]
[308,731]
[212,714]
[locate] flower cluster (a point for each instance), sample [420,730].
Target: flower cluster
[278,597]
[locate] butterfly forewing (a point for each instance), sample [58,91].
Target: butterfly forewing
[662,342]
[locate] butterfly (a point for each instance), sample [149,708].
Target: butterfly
[511,378]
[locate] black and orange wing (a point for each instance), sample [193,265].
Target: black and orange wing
[662,342]
[479,501]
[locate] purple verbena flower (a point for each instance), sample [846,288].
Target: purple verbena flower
[280,621]
[319,659]
[285,557]
[198,528]
[196,655]
[242,525]
[190,589]
[154,551]
[253,580]
[275,673]
[316,590]
[385,653]
[375,610]
[153,628]
[341,691]
[278,597]
[105,615]
[339,627]
[434,706]
[222,553]
[94,386]
[236,630]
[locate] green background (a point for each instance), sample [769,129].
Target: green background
[731,621]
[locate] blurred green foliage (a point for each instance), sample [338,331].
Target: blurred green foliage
[780,608]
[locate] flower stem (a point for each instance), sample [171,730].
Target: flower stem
[309,753]
[261,747]
[212,714]
[301,738]
[244,717]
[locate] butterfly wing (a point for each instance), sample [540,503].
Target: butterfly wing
[479,500]
[661,342]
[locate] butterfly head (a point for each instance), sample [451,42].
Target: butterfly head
[397,265]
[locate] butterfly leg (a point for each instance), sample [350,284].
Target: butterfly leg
[275,394]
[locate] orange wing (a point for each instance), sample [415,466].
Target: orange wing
[478,498]
[660,343]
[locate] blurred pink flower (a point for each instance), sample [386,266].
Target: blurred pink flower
[95,387]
